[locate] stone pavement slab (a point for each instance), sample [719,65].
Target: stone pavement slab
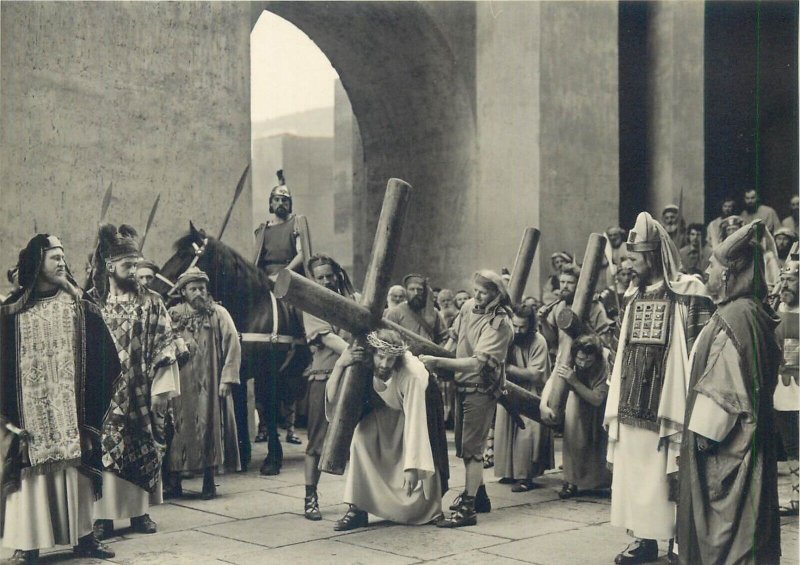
[512,524]
[190,547]
[244,505]
[274,531]
[320,552]
[422,542]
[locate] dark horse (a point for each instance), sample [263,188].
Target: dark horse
[276,366]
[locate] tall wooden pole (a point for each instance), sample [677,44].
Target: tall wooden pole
[523,264]
[571,321]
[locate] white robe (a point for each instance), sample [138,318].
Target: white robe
[387,442]
[48,510]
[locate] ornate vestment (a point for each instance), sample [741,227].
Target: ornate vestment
[133,444]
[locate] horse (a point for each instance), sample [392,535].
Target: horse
[274,353]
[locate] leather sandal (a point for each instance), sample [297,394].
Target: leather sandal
[568,491]
[638,551]
[352,519]
[311,511]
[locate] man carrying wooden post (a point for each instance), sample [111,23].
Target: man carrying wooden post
[575,314]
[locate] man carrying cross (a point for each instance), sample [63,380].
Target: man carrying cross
[483,333]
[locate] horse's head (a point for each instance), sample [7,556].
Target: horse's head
[188,249]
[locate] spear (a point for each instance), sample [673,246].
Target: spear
[239,188]
[150,221]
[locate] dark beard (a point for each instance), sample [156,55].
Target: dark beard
[751,208]
[520,339]
[416,303]
[203,304]
[126,284]
[282,212]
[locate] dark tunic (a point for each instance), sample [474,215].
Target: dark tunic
[276,245]
[728,504]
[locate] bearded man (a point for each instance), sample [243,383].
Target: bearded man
[728,226]
[447,307]
[647,392]
[279,240]
[522,454]
[728,505]
[695,254]
[753,209]
[483,334]
[418,312]
[784,240]
[790,221]
[550,291]
[133,431]
[597,320]
[714,232]
[787,392]
[392,471]
[673,222]
[204,437]
[327,344]
[58,370]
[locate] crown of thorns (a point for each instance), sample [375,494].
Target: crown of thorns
[385,347]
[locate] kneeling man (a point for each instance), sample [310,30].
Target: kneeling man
[391,473]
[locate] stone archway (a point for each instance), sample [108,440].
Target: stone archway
[415,114]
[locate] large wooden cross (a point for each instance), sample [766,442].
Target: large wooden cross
[359,319]
[572,322]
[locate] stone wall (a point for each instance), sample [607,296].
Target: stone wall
[152,97]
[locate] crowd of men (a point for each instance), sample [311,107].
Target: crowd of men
[685,365]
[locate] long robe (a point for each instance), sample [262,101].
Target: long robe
[524,453]
[47,497]
[585,439]
[643,459]
[728,506]
[205,425]
[133,442]
[389,440]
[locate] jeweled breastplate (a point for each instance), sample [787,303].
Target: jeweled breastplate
[643,359]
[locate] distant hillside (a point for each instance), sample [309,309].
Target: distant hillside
[311,123]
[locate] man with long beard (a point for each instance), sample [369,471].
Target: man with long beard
[133,431]
[205,427]
[418,312]
[522,454]
[53,406]
[673,222]
[728,505]
[784,240]
[483,333]
[647,392]
[753,209]
[790,221]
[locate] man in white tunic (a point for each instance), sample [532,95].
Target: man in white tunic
[58,369]
[647,394]
[133,432]
[391,473]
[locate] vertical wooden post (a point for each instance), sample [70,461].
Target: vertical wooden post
[523,264]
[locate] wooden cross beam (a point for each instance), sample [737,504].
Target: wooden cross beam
[522,264]
[572,321]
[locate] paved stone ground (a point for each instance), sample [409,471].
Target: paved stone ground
[259,520]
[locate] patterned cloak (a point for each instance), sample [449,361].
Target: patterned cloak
[133,444]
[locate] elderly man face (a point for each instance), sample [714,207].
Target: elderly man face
[783,244]
[615,237]
[716,283]
[670,220]
[445,298]
[396,296]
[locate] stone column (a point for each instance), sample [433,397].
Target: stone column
[675,82]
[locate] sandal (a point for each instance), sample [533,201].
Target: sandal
[524,486]
[352,519]
[568,491]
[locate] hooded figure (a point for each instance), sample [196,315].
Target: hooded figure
[728,506]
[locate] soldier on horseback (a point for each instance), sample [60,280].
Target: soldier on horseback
[282,242]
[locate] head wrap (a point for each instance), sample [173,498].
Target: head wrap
[730,221]
[788,232]
[29,264]
[411,276]
[192,274]
[385,347]
[742,255]
[670,208]
[615,229]
[561,254]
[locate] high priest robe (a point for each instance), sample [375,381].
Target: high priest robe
[389,440]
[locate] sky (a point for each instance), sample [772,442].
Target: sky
[289,73]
